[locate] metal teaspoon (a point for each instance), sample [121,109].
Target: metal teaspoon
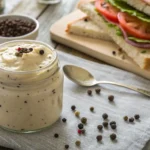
[85,78]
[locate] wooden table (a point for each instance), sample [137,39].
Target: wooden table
[47,15]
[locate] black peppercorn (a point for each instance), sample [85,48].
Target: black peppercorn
[99,138]
[73,107]
[66,146]
[30,49]
[125,118]
[105,116]
[105,124]
[86,20]
[56,135]
[92,109]
[131,119]
[99,127]
[111,98]
[64,120]
[89,92]
[41,52]
[113,52]
[84,120]
[112,122]
[98,90]
[83,131]
[113,136]
[78,143]
[113,126]
[137,116]
[80,126]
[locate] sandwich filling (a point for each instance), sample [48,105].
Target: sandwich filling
[130,23]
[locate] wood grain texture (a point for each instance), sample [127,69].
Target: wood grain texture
[50,16]
[29,7]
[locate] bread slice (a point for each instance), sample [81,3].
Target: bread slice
[85,27]
[139,55]
[139,5]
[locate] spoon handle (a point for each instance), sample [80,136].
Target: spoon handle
[142,91]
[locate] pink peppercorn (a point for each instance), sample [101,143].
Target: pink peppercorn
[79,131]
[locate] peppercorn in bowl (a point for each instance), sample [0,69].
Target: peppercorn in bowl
[16,27]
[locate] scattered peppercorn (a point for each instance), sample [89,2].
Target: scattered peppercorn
[77,113]
[66,146]
[89,92]
[86,20]
[84,120]
[41,52]
[113,52]
[112,122]
[64,120]
[125,118]
[98,90]
[92,109]
[79,131]
[131,119]
[83,131]
[73,107]
[105,124]
[111,98]
[99,138]
[80,126]
[113,126]
[18,54]
[113,136]
[137,116]
[56,135]
[78,143]
[99,127]
[31,49]
[105,116]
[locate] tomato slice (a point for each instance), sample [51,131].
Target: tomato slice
[107,10]
[134,26]
[147,1]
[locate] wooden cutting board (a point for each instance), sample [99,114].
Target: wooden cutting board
[99,49]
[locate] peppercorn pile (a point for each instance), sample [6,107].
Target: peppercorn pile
[107,127]
[14,28]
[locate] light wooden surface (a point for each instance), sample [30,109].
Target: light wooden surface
[47,15]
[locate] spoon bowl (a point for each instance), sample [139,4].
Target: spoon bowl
[79,75]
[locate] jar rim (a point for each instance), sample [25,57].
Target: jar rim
[54,56]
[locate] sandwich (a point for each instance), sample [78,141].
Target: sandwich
[127,22]
[84,26]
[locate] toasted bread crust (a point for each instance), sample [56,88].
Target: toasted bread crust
[147,64]
[84,1]
[69,24]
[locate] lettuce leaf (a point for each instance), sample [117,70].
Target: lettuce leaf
[124,7]
[138,40]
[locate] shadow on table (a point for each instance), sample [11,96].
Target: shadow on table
[147,146]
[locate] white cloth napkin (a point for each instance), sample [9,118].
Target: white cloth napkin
[129,136]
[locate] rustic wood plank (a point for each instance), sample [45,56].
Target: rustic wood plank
[50,16]
[29,7]
[10,6]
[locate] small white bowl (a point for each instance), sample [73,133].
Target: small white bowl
[31,35]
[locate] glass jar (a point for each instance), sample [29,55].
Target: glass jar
[30,100]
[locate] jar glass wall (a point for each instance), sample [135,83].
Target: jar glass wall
[31,100]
